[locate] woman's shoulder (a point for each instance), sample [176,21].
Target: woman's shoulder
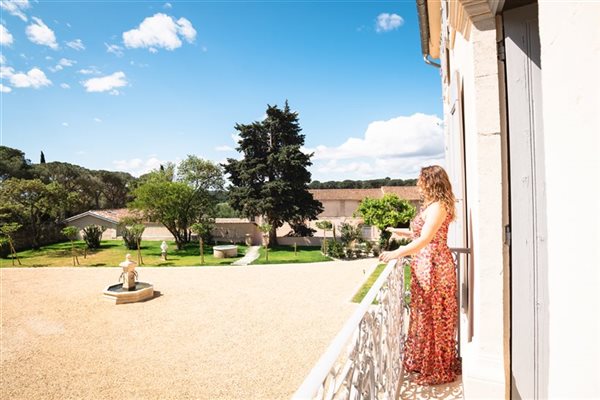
[435,209]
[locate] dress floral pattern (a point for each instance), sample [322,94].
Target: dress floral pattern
[430,349]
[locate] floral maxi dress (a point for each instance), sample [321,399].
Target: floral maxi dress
[431,347]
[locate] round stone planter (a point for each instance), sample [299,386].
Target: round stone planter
[225,251]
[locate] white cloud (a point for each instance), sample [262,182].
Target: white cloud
[106,83]
[65,86]
[63,62]
[114,49]
[6,72]
[15,7]
[65,124]
[160,31]
[34,78]
[40,34]
[2,59]
[397,147]
[388,22]
[6,39]
[76,44]
[97,119]
[186,30]
[89,71]
[5,89]
[168,5]
[137,166]
[224,148]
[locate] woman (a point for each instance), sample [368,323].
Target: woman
[430,349]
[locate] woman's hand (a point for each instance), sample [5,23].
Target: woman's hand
[389,255]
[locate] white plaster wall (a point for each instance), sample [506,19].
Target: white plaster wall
[570,56]
[483,364]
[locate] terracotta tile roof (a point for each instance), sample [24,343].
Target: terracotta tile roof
[116,214]
[404,192]
[113,215]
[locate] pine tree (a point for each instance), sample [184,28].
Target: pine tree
[272,178]
[42,158]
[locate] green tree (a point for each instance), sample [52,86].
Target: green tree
[266,229]
[115,187]
[71,233]
[224,210]
[79,188]
[325,226]
[29,202]
[42,158]
[13,164]
[272,177]
[178,201]
[389,211]
[202,229]
[7,235]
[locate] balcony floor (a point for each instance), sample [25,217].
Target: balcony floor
[412,391]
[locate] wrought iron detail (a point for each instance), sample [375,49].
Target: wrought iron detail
[365,359]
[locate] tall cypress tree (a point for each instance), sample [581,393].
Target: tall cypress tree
[272,178]
[42,158]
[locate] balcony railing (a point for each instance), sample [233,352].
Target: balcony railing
[364,361]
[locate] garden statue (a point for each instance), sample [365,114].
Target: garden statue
[128,275]
[163,250]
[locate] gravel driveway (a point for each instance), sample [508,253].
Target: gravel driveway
[211,333]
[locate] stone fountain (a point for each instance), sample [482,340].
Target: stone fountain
[128,290]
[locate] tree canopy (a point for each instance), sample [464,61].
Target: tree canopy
[366,184]
[389,211]
[272,177]
[182,199]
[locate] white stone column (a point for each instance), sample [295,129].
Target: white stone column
[483,358]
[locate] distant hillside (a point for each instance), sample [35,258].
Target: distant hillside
[368,184]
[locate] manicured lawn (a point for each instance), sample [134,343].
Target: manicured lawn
[285,255]
[113,252]
[364,289]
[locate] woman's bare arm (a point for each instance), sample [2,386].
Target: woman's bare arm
[434,218]
[402,232]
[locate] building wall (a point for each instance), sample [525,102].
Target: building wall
[236,232]
[476,62]
[156,231]
[338,208]
[570,54]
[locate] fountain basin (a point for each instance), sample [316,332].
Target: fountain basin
[116,293]
[225,251]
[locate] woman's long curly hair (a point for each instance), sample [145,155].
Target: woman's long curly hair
[435,186]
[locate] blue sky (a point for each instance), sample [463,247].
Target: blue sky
[128,85]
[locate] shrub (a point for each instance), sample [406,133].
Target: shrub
[335,249]
[132,234]
[349,233]
[92,234]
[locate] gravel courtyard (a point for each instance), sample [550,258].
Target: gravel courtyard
[211,333]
